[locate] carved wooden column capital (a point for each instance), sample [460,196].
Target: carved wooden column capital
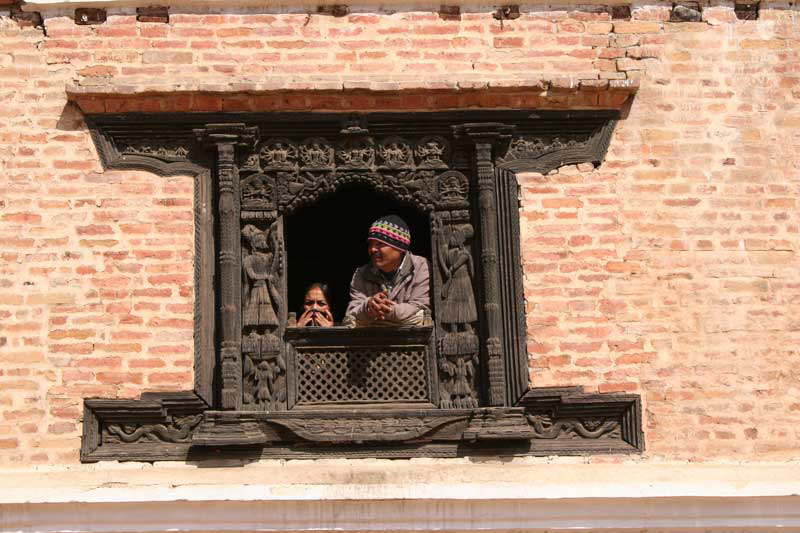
[484,133]
[232,133]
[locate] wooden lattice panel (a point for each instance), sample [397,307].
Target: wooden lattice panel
[364,375]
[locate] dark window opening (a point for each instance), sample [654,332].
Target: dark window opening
[327,241]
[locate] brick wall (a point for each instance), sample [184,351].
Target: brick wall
[670,271]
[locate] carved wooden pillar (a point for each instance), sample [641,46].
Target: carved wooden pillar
[225,138]
[485,136]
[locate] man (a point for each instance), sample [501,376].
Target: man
[392,289]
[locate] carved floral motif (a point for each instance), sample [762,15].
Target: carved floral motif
[533,147]
[385,428]
[162,150]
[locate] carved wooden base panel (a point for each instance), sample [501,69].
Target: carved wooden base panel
[550,421]
[456,385]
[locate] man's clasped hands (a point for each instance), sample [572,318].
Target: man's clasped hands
[379,306]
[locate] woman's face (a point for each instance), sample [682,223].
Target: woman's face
[315,300]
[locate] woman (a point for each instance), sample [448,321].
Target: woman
[316,307]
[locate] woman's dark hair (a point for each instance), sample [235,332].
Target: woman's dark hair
[325,292]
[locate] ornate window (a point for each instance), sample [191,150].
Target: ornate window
[457,386]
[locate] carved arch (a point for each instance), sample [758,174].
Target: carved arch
[374,181]
[305,169]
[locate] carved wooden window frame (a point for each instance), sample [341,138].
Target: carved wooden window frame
[217,149]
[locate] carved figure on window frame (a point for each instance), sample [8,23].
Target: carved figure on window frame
[278,154]
[452,190]
[396,153]
[251,163]
[262,269]
[458,270]
[264,372]
[432,152]
[457,380]
[257,192]
[458,359]
[316,153]
[357,153]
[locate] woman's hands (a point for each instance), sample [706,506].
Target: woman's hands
[316,317]
[323,318]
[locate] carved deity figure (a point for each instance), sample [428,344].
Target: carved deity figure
[455,261]
[459,346]
[358,153]
[271,372]
[452,188]
[459,390]
[264,370]
[261,267]
[431,152]
[256,191]
[396,153]
[278,154]
[316,153]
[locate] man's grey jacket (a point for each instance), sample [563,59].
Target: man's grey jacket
[410,292]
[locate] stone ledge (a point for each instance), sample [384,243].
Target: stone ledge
[71,4]
[129,87]
[374,479]
[371,495]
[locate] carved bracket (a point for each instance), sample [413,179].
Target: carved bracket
[156,426]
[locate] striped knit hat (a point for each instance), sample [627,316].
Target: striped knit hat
[391,230]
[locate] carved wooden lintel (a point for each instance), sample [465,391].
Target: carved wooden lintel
[459,387]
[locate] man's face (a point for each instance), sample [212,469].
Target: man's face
[383,256]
